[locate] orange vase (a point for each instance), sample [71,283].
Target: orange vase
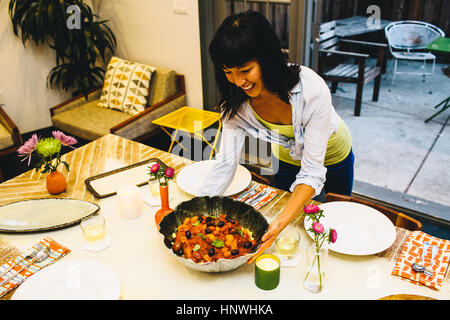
[55,182]
[165,209]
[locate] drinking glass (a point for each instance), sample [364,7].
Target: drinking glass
[93,228]
[287,243]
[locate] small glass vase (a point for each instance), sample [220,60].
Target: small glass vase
[165,208]
[316,266]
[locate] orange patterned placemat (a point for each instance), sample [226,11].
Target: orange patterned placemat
[411,252]
[57,251]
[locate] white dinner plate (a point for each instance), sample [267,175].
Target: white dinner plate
[361,230]
[191,178]
[76,279]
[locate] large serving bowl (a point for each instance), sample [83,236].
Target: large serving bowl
[245,214]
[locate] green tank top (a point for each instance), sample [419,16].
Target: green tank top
[338,147]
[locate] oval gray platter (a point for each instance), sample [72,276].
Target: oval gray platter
[44,214]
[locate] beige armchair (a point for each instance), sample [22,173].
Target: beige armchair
[10,138]
[84,119]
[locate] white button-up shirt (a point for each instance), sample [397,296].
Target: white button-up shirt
[314,121]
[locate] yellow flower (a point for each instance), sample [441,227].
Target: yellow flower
[48,147]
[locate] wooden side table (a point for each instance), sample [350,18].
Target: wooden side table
[190,120]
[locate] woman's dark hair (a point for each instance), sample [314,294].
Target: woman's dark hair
[244,37]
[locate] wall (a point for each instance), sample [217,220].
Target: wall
[147,31]
[23,75]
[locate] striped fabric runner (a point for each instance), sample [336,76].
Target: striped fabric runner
[256,195]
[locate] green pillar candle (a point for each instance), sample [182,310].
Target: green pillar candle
[267,272]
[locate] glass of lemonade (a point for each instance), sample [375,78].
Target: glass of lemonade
[287,243]
[93,228]
[154,188]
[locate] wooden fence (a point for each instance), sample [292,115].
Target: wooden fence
[277,14]
[436,12]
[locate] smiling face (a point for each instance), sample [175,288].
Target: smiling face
[248,77]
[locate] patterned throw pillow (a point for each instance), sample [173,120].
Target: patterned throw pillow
[126,86]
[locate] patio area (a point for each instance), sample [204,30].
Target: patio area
[399,157]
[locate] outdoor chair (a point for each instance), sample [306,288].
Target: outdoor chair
[344,70]
[10,138]
[398,219]
[89,120]
[407,41]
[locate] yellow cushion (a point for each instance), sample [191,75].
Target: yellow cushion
[126,86]
[6,139]
[89,121]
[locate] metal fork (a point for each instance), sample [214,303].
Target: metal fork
[429,270]
[29,256]
[419,267]
[261,195]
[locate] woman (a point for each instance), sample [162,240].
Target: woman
[281,103]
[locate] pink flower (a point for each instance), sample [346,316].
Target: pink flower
[65,140]
[154,168]
[311,209]
[169,172]
[317,227]
[28,147]
[333,235]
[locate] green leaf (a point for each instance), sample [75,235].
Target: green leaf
[239,230]
[218,243]
[196,247]
[196,223]
[201,235]
[66,165]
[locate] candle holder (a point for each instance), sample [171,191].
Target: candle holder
[267,272]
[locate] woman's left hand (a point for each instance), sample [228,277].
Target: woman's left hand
[268,238]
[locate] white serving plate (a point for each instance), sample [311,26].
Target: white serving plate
[191,178]
[361,230]
[76,279]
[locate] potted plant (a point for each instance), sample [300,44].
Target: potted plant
[46,149]
[77,49]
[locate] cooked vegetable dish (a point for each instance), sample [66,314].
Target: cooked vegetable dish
[207,238]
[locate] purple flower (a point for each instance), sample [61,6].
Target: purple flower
[317,227]
[65,140]
[28,147]
[311,209]
[333,235]
[154,168]
[169,172]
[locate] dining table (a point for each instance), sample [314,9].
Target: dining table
[148,270]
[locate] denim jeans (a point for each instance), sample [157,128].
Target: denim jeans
[339,177]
